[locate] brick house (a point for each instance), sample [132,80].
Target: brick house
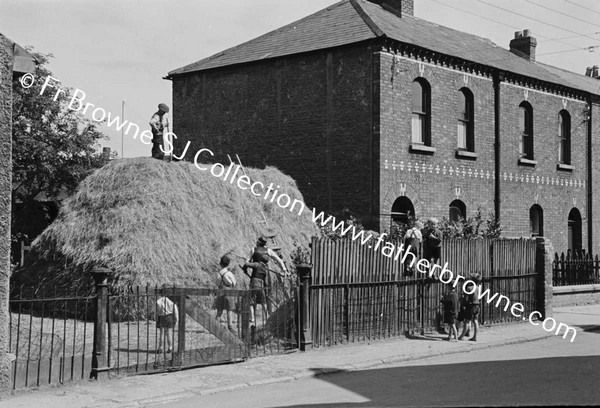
[372,109]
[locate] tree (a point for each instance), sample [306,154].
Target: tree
[54,147]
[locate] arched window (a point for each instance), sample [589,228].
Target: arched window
[421,112]
[402,209]
[526,131]
[574,226]
[564,137]
[536,220]
[458,210]
[464,111]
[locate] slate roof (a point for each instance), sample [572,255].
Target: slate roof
[352,21]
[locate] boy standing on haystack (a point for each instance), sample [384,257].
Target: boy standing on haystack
[158,127]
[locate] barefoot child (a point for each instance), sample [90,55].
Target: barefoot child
[167,314]
[224,301]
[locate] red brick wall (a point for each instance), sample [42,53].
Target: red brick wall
[318,117]
[309,115]
[433,183]
[426,179]
[596,175]
[555,199]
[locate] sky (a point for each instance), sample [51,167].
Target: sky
[120,50]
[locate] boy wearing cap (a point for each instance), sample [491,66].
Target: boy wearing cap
[260,280]
[157,125]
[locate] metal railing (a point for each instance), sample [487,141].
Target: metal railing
[60,337]
[576,268]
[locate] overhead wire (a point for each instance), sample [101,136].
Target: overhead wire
[515,27]
[533,19]
[561,13]
[580,6]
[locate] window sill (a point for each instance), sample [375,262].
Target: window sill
[465,154]
[564,167]
[527,162]
[421,148]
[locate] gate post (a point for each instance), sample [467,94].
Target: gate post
[543,267]
[304,272]
[181,328]
[99,364]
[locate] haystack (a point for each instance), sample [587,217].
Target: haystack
[157,223]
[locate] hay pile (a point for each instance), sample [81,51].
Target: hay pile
[157,223]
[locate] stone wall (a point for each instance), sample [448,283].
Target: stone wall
[6,64]
[576,295]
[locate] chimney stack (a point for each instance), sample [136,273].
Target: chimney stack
[106,152]
[399,7]
[524,45]
[592,72]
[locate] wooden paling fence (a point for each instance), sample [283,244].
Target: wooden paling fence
[358,294]
[575,269]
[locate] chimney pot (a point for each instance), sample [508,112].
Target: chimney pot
[400,7]
[524,45]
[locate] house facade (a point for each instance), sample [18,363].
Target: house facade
[373,110]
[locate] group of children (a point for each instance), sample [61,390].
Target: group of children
[465,309]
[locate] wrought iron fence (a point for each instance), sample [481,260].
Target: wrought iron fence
[52,334]
[576,268]
[201,336]
[352,312]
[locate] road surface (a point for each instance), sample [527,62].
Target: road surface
[546,372]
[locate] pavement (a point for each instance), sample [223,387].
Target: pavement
[148,390]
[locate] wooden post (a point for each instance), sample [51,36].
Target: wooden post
[181,329]
[304,272]
[100,366]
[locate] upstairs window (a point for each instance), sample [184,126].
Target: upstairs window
[421,112]
[564,137]
[526,131]
[465,126]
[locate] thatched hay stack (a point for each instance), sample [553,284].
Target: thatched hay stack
[157,223]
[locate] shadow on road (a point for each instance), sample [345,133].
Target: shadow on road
[544,381]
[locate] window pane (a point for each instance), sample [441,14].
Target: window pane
[521,151]
[455,214]
[522,120]
[560,125]
[462,135]
[561,155]
[417,128]
[462,107]
[417,97]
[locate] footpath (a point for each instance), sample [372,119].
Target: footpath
[147,390]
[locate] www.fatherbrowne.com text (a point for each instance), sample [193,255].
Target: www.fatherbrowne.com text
[271,193]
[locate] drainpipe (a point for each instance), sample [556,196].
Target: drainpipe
[498,77]
[589,177]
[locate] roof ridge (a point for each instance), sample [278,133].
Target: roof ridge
[561,69]
[280,29]
[367,19]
